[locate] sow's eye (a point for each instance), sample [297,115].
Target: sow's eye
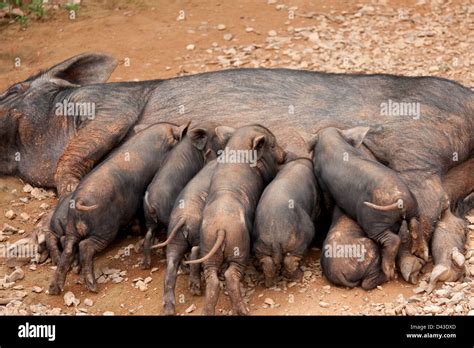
[13,90]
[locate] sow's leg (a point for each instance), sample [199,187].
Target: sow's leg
[90,144]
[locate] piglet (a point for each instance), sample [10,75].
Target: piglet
[184,233]
[248,163]
[348,257]
[197,146]
[109,196]
[284,220]
[372,194]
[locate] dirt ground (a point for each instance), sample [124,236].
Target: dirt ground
[403,37]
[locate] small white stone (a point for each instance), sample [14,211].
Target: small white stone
[191,308]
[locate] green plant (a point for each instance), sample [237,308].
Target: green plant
[71,7]
[37,8]
[23,20]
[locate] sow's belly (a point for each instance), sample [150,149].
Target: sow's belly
[291,103]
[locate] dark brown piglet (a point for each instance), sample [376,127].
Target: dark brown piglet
[184,233]
[348,257]
[197,146]
[284,220]
[372,194]
[248,163]
[108,198]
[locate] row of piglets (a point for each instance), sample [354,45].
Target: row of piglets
[220,208]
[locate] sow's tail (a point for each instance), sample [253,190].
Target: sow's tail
[398,205]
[217,245]
[173,233]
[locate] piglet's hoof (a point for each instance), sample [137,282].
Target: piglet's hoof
[91,284]
[54,289]
[195,288]
[145,264]
[168,309]
[242,310]
[388,269]
[410,268]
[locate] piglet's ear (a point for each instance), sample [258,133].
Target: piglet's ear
[258,142]
[198,137]
[224,133]
[181,131]
[311,142]
[141,127]
[355,136]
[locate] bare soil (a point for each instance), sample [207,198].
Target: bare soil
[405,37]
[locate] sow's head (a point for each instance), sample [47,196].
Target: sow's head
[27,107]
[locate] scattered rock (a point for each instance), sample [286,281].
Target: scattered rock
[228,37]
[39,194]
[108,313]
[221,27]
[17,274]
[411,310]
[10,214]
[70,299]
[9,229]
[24,217]
[88,302]
[191,308]
[37,289]
[269,301]
[27,188]
[323,304]
[190,47]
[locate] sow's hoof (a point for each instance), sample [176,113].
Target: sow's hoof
[67,186]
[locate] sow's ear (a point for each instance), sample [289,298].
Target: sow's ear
[224,133]
[198,137]
[355,136]
[84,69]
